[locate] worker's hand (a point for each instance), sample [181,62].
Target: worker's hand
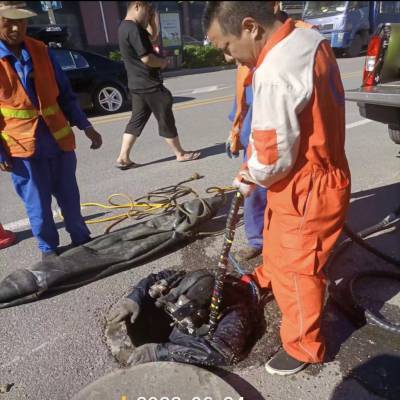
[5,166]
[228,148]
[244,187]
[123,309]
[94,137]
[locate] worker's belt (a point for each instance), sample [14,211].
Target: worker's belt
[28,114]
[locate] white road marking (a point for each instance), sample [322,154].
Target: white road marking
[19,358]
[23,223]
[358,123]
[205,89]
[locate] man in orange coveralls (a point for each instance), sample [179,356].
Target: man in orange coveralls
[296,150]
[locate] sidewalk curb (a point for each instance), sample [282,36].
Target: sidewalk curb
[194,71]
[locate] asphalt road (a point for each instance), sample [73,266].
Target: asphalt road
[52,348]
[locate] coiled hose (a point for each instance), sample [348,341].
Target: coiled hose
[359,239]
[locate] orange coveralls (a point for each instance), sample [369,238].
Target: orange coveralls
[297,151]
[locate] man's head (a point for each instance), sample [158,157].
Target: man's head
[140,12]
[13,21]
[240,28]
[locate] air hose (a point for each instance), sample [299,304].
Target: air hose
[356,311]
[216,298]
[156,202]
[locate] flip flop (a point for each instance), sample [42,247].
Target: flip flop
[193,155]
[127,166]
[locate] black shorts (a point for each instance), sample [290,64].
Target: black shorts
[159,103]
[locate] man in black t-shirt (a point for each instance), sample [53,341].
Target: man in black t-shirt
[148,93]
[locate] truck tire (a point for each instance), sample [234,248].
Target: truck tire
[355,47]
[394,133]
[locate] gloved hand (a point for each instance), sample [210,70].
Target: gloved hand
[123,309]
[245,187]
[228,145]
[143,354]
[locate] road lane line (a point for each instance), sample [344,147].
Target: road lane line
[23,223]
[190,104]
[358,123]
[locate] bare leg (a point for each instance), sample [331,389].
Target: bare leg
[181,155]
[128,141]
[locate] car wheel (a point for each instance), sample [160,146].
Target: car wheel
[355,47]
[109,99]
[394,133]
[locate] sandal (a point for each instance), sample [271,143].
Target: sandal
[191,156]
[123,167]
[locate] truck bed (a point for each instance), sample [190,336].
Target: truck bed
[386,94]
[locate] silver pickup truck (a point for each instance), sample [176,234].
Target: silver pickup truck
[379,96]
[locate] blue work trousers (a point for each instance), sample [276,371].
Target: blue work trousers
[36,181]
[254,209]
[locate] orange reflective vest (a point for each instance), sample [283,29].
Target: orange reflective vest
[19,117]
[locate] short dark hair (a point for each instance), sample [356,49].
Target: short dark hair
[230,14]
[132,3]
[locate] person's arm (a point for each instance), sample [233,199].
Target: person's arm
[140,42]
[67,99]
[154,26]
[153,61]
[275,139]
[68,103]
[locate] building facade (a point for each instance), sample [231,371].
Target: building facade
[93,25]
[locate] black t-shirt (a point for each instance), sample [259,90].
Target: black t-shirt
[135,43]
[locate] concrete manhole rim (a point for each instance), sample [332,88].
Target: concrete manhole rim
[171,381]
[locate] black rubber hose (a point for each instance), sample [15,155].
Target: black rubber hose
[359,238]
[356,238]
[369,315]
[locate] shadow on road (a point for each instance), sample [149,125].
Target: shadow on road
[380,375]
[350,341]
[27,233]
[210,151]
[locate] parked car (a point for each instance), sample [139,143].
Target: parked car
[186,39]
[379,96]
[99,82]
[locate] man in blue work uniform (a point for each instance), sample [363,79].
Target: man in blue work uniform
[254,205]
[44,164]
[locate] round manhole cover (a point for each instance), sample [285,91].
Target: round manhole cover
[159,381]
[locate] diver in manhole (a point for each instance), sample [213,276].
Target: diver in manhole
[167,317]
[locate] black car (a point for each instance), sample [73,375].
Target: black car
[99,82]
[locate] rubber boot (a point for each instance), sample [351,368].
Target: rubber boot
[7,238]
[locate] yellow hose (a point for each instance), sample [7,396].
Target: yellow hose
[140,209]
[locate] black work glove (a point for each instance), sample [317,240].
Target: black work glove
[123,309]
